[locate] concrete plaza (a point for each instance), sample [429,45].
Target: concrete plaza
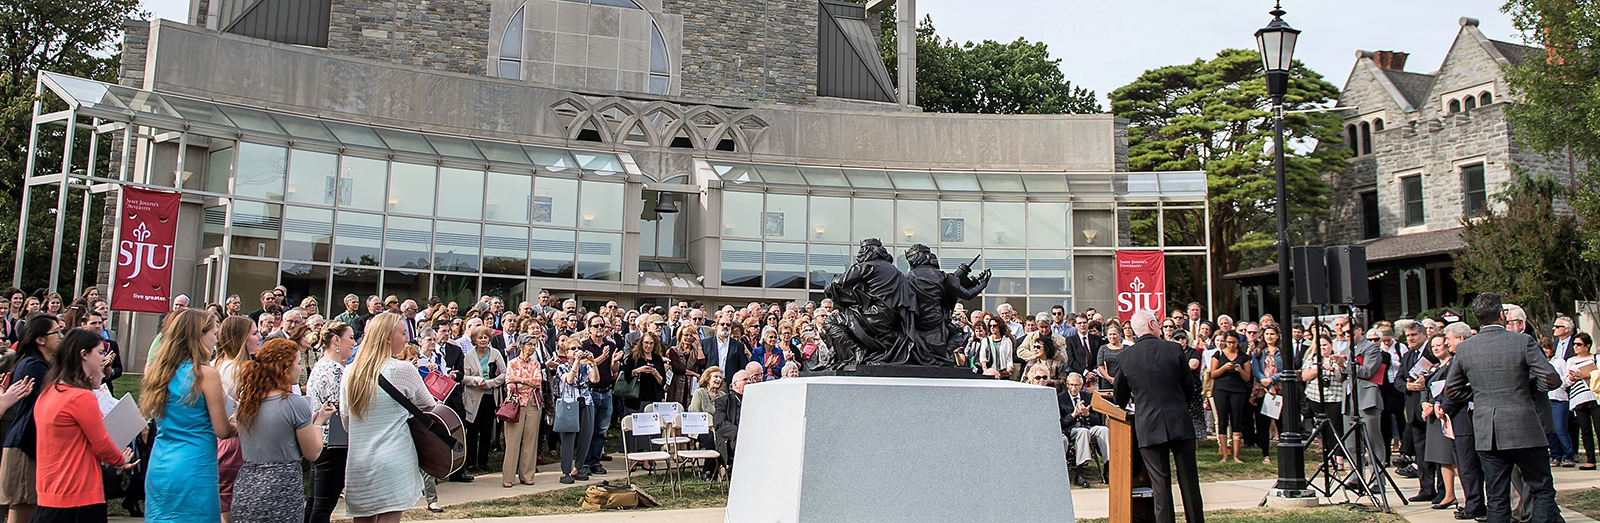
[1090,503]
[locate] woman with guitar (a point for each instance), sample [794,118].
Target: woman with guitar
[381,471]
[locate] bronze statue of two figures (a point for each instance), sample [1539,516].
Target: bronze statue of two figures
[886,317]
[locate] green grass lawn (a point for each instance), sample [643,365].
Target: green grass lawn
[566,501]
[1585,501]
[128,383]
[1212,470]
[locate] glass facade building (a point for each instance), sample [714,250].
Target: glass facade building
[459,186]
[329,208]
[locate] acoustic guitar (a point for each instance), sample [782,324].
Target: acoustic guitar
[438,434]
[439,456]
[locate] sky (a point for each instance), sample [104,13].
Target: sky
[1105,44]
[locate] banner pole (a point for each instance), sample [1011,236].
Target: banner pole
[116,249]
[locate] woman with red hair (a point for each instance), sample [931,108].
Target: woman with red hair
[276,430]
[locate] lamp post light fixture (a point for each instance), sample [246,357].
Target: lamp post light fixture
[1276,42]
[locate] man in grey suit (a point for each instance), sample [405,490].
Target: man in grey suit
[1368,401]
[1498,371]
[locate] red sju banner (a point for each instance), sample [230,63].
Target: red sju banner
[1141,283]
[143,280]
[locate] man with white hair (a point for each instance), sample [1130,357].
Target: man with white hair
[180,302]
[725,421]
[1078,422]
[1368,401]
[1564,332]
[1155,376]
[291,318]
[1008,314]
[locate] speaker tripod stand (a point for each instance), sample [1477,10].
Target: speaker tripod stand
[1367,477]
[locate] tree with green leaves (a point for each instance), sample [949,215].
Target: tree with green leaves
[1556,102]
[1526,251]
[1214,116]
[1018,77]
[76,37]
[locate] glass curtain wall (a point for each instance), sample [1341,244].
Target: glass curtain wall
[325,224]
[795,241]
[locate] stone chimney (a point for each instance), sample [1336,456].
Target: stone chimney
[1392,60]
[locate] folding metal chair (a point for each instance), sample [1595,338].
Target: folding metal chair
[648,424]
[695,424]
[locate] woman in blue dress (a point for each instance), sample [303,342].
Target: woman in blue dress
[185,398]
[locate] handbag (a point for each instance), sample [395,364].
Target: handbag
[608,496]
[439,385]
[437,435]
[626,387]
[567,416]
[509,411]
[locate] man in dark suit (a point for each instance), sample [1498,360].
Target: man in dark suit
[1155,376]
[1498,371]
[1565,332]
[1082,347]
[1414,434]
[725,421]
[1079,423]
[723,351]
[1367,398]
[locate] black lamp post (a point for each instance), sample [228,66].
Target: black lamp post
[1276,42]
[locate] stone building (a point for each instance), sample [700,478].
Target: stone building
[643,151]
[1429,150]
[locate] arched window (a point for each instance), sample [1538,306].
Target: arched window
[660,65]
[1471,103]
[1455,106]
[511,49]
[1377,125]
[1366,138]
[1354,145]
[1485,98]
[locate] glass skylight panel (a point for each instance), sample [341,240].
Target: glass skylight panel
[87,92]
[499,152]
[600,163]
[868,179]
[824,176]
[736,173]
[408,142]
[553,160]
[957,182]
[455,147]
[912,181]
[1045,183]
[785,174]
[354,135]
[251,120]
[1001,183]
[305,128]
[197,111]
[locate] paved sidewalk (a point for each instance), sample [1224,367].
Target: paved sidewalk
[1092,503]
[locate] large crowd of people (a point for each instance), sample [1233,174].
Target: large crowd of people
[243,405]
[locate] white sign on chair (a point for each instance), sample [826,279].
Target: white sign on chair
[667,409]
[646,423]
[696,423]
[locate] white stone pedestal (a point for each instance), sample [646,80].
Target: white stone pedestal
[922,450]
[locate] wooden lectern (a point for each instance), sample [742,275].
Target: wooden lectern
[1127,468]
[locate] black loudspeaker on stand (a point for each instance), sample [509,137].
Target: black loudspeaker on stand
[1347,275]
[1310,275]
